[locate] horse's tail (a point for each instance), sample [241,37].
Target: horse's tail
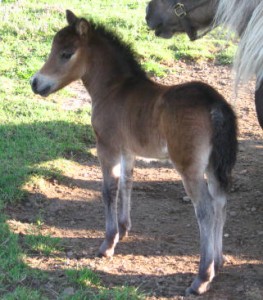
[249,57]
[245,17]
[235,14]
[224,139]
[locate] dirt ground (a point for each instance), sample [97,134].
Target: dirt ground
[161,254]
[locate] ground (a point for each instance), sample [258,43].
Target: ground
[161,254]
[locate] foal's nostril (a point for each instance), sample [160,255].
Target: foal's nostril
[34,84]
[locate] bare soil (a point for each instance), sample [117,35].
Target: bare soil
[161,254]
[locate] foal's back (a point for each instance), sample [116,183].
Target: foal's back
[150,118]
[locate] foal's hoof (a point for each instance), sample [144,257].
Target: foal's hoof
[124,234]
[197,288]
[105,252]
[123,231]
[107,249]
[189,291]
[220,264]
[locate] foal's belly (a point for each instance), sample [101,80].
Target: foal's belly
[158,151]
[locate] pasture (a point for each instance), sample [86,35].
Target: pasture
[52,222]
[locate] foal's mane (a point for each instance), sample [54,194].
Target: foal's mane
[125,53]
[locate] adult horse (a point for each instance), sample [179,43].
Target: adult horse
[197,17]
[132,115]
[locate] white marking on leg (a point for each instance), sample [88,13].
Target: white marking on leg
[116,171]
[219,202]
[124,214]
[116,240]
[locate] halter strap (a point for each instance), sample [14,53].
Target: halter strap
[182,14]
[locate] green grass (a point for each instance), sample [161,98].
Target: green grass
[33,133]
[23,293]
[85,277]
[42,245]
[125,17]
[39,138]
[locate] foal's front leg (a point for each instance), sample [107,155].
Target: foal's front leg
[110,196]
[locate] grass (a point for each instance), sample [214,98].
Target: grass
[42,245]
[85,277]
[39,138]
[23,293]
[33,134]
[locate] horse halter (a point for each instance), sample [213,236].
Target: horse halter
[182,14]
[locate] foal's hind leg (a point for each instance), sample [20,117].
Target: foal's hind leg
[125,187]
[219,199]
[196,188]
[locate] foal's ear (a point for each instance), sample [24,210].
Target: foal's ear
[71,17]
[82,27]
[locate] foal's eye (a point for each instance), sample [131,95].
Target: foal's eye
[65,55]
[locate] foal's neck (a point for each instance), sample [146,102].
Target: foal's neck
[111,63]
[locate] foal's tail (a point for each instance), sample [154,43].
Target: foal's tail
[224,140]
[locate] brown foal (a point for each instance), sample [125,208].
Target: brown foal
[190,123]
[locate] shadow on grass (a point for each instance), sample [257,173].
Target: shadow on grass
[28,150]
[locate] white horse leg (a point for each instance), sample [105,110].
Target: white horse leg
[125,187]
[197,190]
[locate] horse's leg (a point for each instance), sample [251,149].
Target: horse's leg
[219,199]
[109,164]
[197,190]
[125,187]
[259,103]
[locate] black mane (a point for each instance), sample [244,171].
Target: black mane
[126,54]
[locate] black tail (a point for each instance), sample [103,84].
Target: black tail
[224,140]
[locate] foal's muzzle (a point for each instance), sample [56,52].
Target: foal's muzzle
[34,84]
[41,85]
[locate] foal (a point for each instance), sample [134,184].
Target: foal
[131,115]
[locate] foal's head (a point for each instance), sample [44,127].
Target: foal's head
[67,59]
